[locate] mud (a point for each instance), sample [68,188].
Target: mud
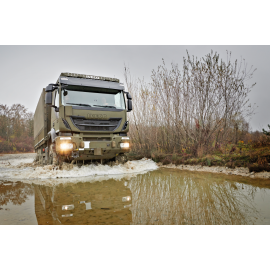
[241,171]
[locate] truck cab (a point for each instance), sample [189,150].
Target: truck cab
[82,117]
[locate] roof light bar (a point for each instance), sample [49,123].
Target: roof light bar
[76,75]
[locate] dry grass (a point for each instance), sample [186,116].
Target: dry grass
[255,155]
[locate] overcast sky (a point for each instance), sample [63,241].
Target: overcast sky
[25,70]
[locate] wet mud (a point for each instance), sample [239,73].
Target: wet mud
[241,171]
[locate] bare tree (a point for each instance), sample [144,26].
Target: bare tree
[195,107]
[16,128]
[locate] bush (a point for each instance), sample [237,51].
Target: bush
[174,158]
[5,147]
[230,164]
[208,162]
[255,167]
[238,163]
[157,156]
[179,161]
[166,161]
[261,141]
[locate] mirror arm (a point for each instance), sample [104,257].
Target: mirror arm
[55,107]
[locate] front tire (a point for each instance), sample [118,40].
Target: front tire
[122,158]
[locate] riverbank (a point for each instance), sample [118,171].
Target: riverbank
[241,171]
[249,160]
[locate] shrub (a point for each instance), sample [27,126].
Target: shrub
[255,167]
[166,161]
[230,164]
[238,163]
[179,161]
[208,162]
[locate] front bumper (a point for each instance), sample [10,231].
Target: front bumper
[83,148]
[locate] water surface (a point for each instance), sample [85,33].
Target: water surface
[163,196]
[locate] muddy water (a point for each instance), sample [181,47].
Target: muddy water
[162,196]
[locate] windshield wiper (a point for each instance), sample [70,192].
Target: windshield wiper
[104,106]
[80,104]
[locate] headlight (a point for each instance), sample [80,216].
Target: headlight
[124,145]
[66,146]
[125,138]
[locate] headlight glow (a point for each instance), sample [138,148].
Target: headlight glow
[126,199]
[124,145]
[67,207]
[125,138]
[66,146]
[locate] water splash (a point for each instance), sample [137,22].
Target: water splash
[13,170]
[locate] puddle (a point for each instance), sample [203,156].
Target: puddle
[157,197]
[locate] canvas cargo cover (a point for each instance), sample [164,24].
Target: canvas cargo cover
[39,118]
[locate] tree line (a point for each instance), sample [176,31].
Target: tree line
[16,129]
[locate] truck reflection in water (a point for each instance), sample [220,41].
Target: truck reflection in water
[104,202]
[165,196]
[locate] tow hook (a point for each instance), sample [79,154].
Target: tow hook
[75,154]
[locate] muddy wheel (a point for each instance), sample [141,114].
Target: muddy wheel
[53,158]
[122,158]
[50,161]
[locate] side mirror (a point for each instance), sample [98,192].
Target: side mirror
[128,95]
[48,101]
[51,87]
[129,103]
[48,98]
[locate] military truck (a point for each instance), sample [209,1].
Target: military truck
[82,118]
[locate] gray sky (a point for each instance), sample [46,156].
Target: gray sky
[25,70]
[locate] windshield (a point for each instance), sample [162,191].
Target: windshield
[114,99]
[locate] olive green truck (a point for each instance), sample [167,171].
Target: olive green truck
[82,118]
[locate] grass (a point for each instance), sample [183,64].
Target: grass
[254,156]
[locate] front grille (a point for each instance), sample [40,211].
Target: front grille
[97,139]
[84,124]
